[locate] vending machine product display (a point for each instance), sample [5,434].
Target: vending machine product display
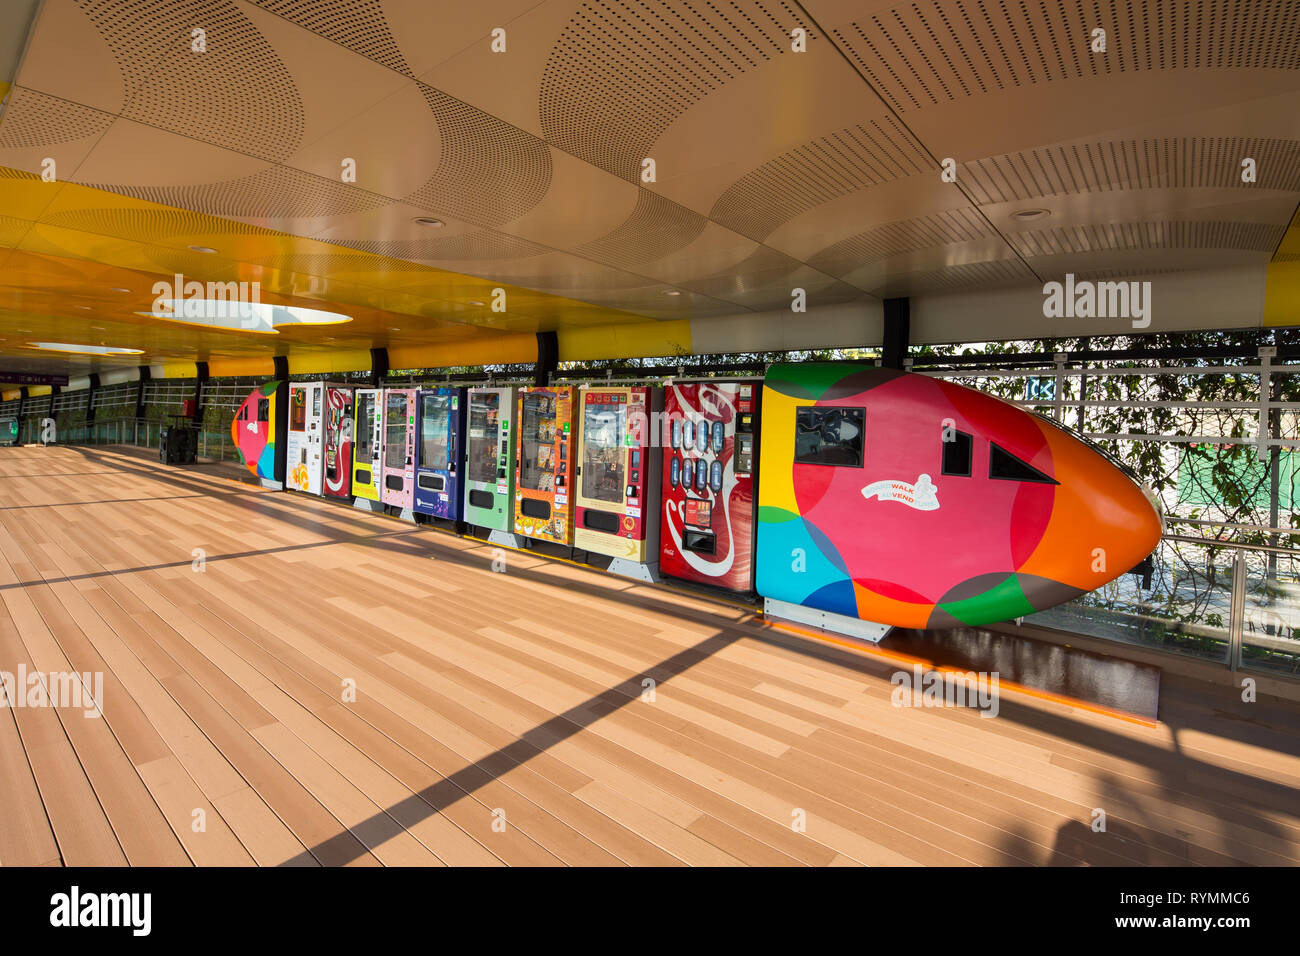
[489,458]
[303,466]
[707,523]
[617,484]
[440,425]
[338,441]
[398,487]
[544,466]
[367,421]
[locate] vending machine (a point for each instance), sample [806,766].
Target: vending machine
[544,464]
[617,480]
[338,441]
[440,425]
[489,458]
[367,422]
[398,470]
[706,529]
[303,466]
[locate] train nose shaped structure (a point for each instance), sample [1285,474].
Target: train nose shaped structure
[1102,524]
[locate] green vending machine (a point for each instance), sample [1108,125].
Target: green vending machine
[490,462]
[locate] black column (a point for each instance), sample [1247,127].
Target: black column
[548,357]
[281,416]
[90,399]
[200,379]
[22,410]
[145,375]
[896,333]
[378,366]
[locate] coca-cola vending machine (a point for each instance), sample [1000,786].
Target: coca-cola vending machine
[709,467]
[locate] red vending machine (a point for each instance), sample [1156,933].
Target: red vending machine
[710,458]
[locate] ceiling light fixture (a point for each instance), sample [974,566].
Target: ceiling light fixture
[427,221]
[83,349]
[118,288]
[475,302]
[1026,214]
[671,292]
[235,316]
[204,249]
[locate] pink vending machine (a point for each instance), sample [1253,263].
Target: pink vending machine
[397,481]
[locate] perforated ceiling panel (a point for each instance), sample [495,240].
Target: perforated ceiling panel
[150,225]
[621,72]
[985,274]
[35,119]
[1251,236]
[934,51]
[475,245]
[359,25]
[489,172]
[236,93]
[896,238]
[656,228]
[1160,163]
[817,172]
[275,192]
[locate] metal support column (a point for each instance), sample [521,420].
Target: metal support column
[896,333]
[548,357]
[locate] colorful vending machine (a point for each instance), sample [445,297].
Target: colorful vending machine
[253,432]
[489,459]
[617,482]
[707,524]
[367,422]
[544,465]
[303,467]
[398,470]
[440,424]
[338,441]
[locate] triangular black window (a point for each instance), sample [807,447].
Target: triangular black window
[1004,465]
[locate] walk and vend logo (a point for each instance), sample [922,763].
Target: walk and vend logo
[922,688]
[1098,300]
[63,689]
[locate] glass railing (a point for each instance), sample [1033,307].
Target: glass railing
[1222,601]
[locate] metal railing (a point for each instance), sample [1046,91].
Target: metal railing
[214,443]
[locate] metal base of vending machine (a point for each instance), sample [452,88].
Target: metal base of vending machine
[407,514]
[366,504]
[635,569]
[839,623]
[505,539]
[272,485]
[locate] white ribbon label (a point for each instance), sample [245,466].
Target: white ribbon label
[920,496]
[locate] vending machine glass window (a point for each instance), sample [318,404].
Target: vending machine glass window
[481,453]
[298,411]
[602,462]
[435,419]
[395,434]
[537,464]
[364,434]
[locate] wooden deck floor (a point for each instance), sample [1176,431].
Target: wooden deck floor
[499,717]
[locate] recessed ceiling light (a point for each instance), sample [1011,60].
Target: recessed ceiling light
[84,349]
[98,328]
[206,249]
[393,328]
[235,316]
[118,288]
[671,292]
[475,302]
[427,221]
[1025,214]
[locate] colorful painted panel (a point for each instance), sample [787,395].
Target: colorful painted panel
[253,431]
[915,502]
